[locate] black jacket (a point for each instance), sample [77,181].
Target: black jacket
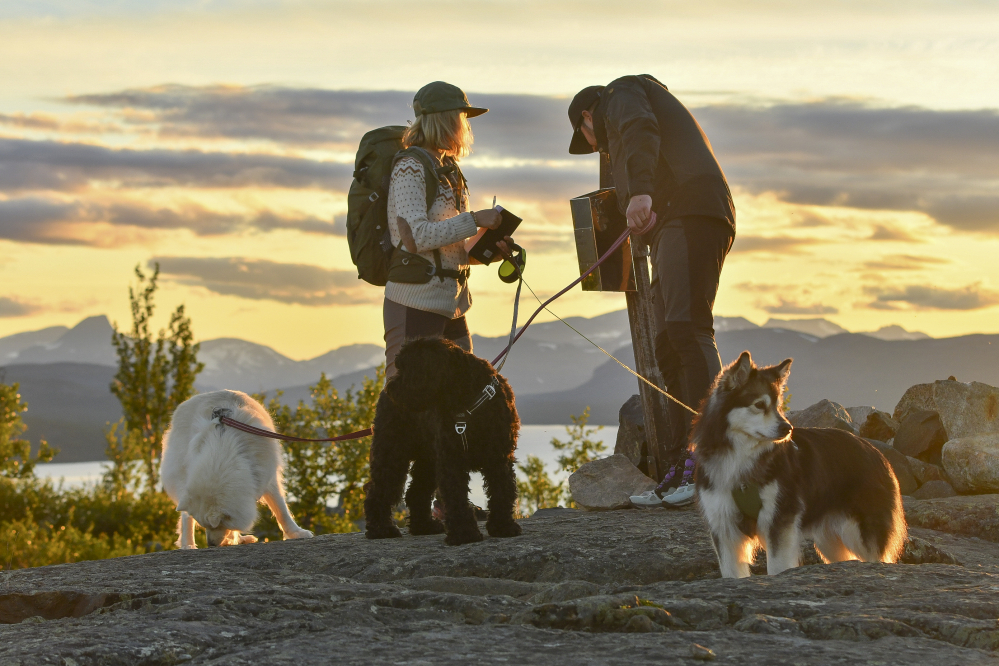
[657,148]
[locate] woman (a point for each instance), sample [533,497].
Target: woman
[437,233]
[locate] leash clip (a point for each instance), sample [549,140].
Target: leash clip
[460,427]
[217,415]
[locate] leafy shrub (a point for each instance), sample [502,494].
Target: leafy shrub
[536,489]
[125,513]
[316,473]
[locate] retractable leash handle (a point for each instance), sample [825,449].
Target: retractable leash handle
[513,265]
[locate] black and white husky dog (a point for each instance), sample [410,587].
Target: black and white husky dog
[762,484]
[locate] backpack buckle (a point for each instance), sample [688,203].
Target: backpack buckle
[373,197]
[460,427]
[490,391]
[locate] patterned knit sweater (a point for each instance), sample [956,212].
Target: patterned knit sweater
[444,226]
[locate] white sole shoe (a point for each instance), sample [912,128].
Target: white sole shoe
[684,495]
[647,499]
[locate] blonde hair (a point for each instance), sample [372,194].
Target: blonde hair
[447,131]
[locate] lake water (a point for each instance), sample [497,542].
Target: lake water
[534,440]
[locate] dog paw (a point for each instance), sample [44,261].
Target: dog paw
[191,547]
[382,532]
[463,537]
[299,534]
[422,527]
[504,529]
[247,538]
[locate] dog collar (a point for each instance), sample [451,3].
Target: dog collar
[461,418]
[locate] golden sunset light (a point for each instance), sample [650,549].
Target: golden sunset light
[213,137]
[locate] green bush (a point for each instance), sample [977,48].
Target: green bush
[536,489]
[125,513]
[317,473]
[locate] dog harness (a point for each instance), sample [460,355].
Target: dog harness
[747,500]
[461,418]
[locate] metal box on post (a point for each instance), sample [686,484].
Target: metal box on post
[598,223]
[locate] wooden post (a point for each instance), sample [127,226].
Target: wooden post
[643,332]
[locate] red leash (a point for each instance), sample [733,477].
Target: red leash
[239,425]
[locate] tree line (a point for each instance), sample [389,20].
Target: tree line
[126,512]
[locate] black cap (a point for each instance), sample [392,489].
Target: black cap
[439,96]
[583,100]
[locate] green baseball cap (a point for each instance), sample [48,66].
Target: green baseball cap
[439,96]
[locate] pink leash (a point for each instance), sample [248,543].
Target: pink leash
[239,425]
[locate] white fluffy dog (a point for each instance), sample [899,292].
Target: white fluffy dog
[217,474]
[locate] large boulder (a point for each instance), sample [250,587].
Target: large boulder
[971,515]
[965,408]
[823,414]
[972,463]
[921,435]
[900,465]
[934,490]
[631,430]
[608,483]
[878,425]
[924,471]
[859,414]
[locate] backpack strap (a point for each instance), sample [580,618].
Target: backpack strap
[429,167]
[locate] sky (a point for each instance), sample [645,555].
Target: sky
[217,138]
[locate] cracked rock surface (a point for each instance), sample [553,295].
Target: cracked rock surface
[622,587]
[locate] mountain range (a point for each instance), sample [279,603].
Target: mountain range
[65,372]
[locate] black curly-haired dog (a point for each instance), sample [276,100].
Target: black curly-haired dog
[436,384]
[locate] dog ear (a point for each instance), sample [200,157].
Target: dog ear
[784,369]
[736,374]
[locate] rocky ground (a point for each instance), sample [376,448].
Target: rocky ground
[621,587]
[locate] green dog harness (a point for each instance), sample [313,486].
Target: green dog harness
[747,500]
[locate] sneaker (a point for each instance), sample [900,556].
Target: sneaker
[686,492]
[647,499]
[683,495]
[665,487]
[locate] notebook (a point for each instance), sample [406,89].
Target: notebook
[485,249]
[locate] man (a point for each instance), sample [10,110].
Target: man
[675,196]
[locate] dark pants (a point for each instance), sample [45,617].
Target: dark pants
[404,323]
[687,258]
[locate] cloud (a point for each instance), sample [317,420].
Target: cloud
[523,126]
[845,153]
[809,219]
[928,297]
[297,116]
[55,222]
[829,152]
[904,262]
[793,307]
[886,233]
[50,165]
[260,279]
[969,213]
[759,288]
[15,307]
[52,123]
[773,244]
